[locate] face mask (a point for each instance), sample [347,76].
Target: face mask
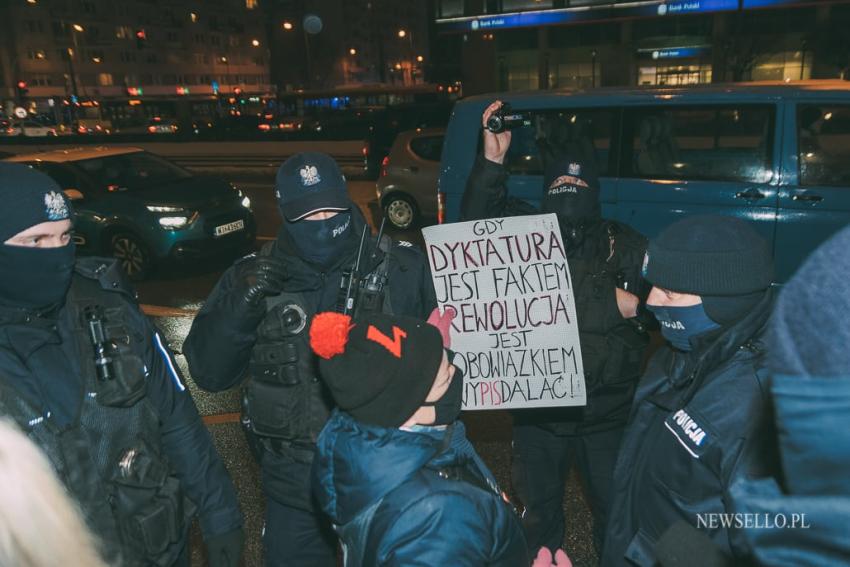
[35,278]
[679,324]
[449,406]
[321,241]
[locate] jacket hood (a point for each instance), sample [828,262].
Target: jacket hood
[810,331]
[357,464]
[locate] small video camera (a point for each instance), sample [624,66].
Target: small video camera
[506,119]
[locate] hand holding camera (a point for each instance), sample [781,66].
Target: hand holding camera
[496,144]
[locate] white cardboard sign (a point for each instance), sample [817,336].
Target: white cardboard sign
[515,334]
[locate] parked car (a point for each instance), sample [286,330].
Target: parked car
[774,154]
[159,125]
[407,186]
[142,209]
[387,123]
[30,129]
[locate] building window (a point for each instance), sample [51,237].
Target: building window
[152,58]
[104,79]
[89,8]
[33,26]
[578,75]
[234,41]
[823,143]
[200,38]
[675,74]
[172,36]
[123,32]
[783,66]
[41,80]
[215,40]
[36,54]
[127,57]
[251,4]
[518,71]
[520,5]
[450,8]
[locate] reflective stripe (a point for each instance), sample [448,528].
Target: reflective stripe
[682,443]
[174,375]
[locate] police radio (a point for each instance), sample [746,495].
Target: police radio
[362,295]
[103,348]
[120,373]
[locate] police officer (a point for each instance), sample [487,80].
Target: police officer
[703,398]
[90,380]
[253,330]
[604,259]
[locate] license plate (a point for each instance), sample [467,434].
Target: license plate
[229,227]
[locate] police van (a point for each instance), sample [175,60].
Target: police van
[775,154]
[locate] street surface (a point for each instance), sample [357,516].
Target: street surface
[174,293]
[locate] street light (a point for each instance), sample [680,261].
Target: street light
[255,42]
[287,26]
[402,34]
[420,58]
[79,28]
[352,51]
[96,59]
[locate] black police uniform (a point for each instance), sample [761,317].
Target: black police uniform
[124,435]
[285,405]
[546,441]
[697,416]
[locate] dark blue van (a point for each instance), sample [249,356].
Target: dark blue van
[777,155]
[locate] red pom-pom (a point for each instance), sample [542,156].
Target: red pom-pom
[329,334]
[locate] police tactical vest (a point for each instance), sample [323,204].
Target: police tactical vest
[110,458]
[285,403]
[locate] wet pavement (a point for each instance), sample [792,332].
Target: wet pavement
[172,296]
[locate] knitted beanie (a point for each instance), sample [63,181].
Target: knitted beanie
[29,198]
[720,258]
[379,368]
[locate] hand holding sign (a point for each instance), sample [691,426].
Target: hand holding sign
[443,323]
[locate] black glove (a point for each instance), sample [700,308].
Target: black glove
[259,277]
[225,550]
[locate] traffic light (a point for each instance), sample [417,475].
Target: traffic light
[22,90]
[141,38]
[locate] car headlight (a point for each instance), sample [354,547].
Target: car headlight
[244,200]
[164,209]
[173,222]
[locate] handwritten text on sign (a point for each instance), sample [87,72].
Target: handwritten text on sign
[515,334]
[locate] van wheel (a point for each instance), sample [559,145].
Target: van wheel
[401,211]
[132,254]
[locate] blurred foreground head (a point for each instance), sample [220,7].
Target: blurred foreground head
[40,526]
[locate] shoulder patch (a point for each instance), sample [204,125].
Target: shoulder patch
[404,243]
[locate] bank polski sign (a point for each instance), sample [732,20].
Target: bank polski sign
[515,336]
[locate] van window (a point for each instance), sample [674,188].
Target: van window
[63,176]
[589,131]
[823,143]
[427,147]
[723,143]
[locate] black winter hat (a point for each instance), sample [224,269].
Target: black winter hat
[571,189]
[710,255]
[379,368]
[29,198]
[720,258]
[309,182]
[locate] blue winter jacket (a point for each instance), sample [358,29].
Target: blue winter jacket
[395,498]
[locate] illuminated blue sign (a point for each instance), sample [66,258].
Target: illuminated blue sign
[769,3]
[571,15]
[675,52]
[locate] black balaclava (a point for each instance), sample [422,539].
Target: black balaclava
[34,279]
[571,191]
[321,242]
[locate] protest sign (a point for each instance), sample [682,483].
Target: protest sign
[515,334]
